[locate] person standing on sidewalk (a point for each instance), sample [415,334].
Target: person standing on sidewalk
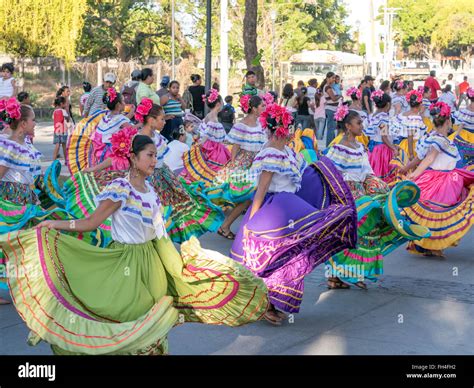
[95,100]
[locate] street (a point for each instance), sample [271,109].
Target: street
[421,305]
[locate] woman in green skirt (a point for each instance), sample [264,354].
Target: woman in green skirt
[125,298]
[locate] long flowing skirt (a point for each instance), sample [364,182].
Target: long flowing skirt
[381,229]
[203,161]
[233,184]
[192,213]
[291,233]
[380,158]
[446,207]
[464,141]
[123,299]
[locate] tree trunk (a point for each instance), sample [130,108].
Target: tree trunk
[250,40]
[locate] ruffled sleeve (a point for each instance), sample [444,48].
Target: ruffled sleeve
[375,122]
[161,148]
[284,163]
[442,145]
[212,131]
[464,116]
[118,191]
[19,157]
[248,138]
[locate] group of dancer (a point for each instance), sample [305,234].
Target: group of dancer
[91,263]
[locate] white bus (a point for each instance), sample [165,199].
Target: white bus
[317,63]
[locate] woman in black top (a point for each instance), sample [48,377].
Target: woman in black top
[303,117]
[197,91]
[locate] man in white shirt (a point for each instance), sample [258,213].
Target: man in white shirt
[177,147]
[311,92]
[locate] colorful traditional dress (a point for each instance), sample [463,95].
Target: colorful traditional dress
[108,125]
[233,184]
[192,213]
[380,154]
[380,226]
[363,139]
[465,139]
[446,201]
[124,299]
[308,215]
[403,126]
[207,157]
[401,101]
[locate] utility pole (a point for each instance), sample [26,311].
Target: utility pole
[173,59]
[224,57]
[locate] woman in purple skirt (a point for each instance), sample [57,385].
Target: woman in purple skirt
[301,215]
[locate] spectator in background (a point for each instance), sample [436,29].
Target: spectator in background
[337,87]
[227,115]
[250,86]
[303,116]
[164,84]
[129,90]
[65,91]
[216,86]
[289,100]
[196,90]
[319,115]
[432,83]
[410,86]
[87,87]
[24,98]
[366,100]
[462,91]
[61,122]
[95,101]
[448,97]
[312,90]
[331,103]
[144,89]
[8,87]
[173,106]
[299,86]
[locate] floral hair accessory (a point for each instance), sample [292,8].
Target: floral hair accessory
[143,109]
[213,96]
[421,89]
[277,119]
[122,142]
[418,94]
[244,103]
[341,112]
[353,90]
[268,98]
[10,110]
[470,92]
[112,94]
[440,109]
[400,84]
[377,94]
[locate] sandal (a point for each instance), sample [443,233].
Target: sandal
[337,284]
[228,235]
[272,317]
[361,285]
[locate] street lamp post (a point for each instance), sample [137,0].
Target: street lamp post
[173,73]
[208,69]
[273,16]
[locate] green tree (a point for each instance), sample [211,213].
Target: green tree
[32,28]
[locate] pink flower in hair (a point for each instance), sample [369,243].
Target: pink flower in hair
[341,112]
[400,84]
[418,94]
[244,103]
[112,93]
[3,105]
[143,109]
[377,94]
[12,108]
[268,98]
[122,142]
[441,109]
[421,89]
[353,90]
[282,117]
[470,92]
